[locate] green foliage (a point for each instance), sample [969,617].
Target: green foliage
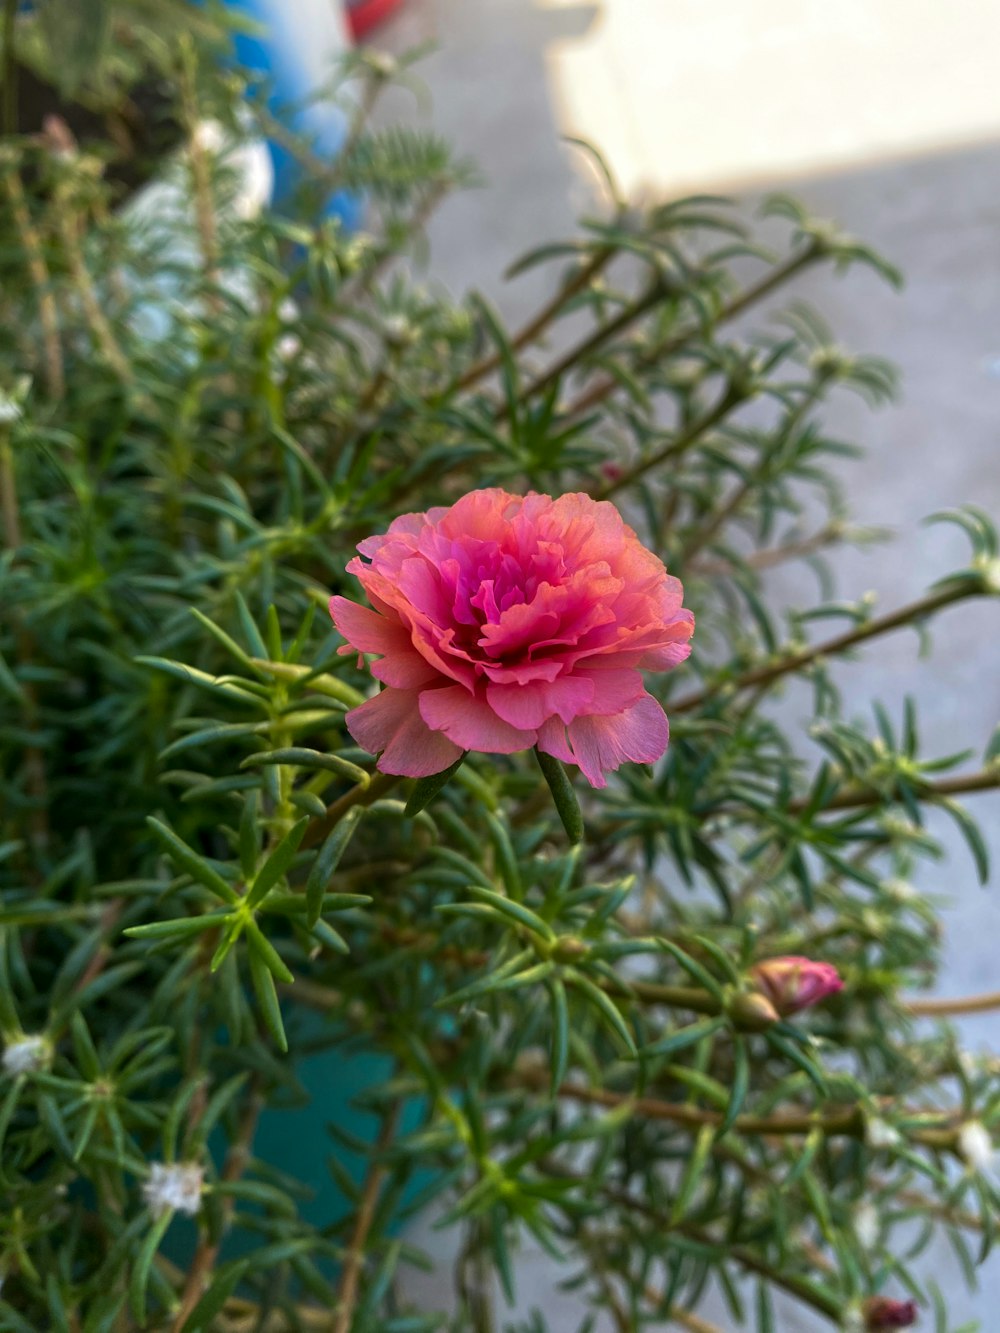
[204,880]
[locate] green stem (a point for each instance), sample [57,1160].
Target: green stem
[380,784]
[770,556]
[910,614]
[749,296]
[536,326]
[678,445]
[655,292]
[38,271]
[562,794]
[843,1122]
[854,798]
[752,483]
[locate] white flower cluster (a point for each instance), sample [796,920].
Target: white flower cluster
[175,1186]
[10,411]
[879,1135]
[25,1055]
[976,1146]
[867,1227]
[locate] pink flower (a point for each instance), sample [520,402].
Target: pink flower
[505,622]
[795,983]
[881,1313]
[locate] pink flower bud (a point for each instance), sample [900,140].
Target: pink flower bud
[881,1313]
[795,983]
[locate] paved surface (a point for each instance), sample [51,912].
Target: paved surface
[881,113]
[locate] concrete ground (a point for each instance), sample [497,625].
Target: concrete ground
[883,114]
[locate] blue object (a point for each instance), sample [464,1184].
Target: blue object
[294,54]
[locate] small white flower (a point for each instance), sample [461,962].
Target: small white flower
[879,1135]
[976,1146]
[866,1225]
[398,330]
[969,1064]
[26,1055]
[209,136]
[10,410]
[900,889]
[174,1185]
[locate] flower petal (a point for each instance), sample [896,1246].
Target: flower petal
[391,724]
[552,740]
[638,735]
[365,630]
[615,688]
[528,706]
[405,670]
[470,722]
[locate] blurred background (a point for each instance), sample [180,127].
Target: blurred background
[883,114]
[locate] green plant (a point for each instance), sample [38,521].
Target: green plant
[203,880]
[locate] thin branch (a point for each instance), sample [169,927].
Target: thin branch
[855,798]
[910,614]
[537,325]
[654,293]
[803,1288]
[946,1008]
[201,177]
[380,784]
[679,445]
[754,479]
[38,271]
[842,1122]
[347,1292]
[771,556]
[68,222]
[749,296]
[956,1217]
[686,1319]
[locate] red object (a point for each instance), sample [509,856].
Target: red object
[363,15]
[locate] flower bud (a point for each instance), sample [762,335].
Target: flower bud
[795,983]
[881,1313]
[570,949]
[752,1011]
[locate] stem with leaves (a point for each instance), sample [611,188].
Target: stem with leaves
[778,276]
[911,614]
[38,271]
[531,332]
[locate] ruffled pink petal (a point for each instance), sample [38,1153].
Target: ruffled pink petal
[528,706]
[470,722]
[391,723]
[367,631]
[666,657]
[638,735]
[405,670]
[552,740]
[615,688]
